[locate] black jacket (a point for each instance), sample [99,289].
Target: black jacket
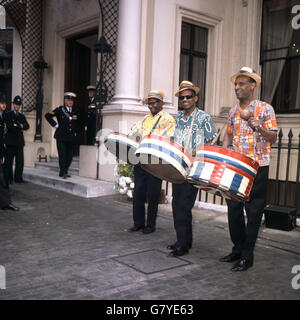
[68,123]
[15,124]
[2,126]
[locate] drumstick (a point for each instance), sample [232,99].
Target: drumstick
[164,130]
[218,134]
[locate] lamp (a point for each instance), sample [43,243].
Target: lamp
[40,65]
[104,49]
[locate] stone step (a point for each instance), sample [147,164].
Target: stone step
[79,186]
[54,166]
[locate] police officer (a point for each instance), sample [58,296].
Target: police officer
[15,123]
[5,202]
[90,125]
[2,136]
[66,131]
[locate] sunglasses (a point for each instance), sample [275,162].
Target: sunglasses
[152,103]
[188,97]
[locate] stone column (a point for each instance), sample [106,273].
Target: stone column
[128,53]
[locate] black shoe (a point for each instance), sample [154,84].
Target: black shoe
[11,207]
[173,246]
[178,252]
[242,265]
[135,228]
[231,257]
[148,230]
[65,176]
[61,174]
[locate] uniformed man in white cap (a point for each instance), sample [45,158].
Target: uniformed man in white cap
[67,126]
[90,125]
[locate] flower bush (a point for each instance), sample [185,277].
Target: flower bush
[124,179]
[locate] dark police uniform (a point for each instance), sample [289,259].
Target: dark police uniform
[2,147]
[14,139]
[5,201]
[91,122]
[65,135]
[4,194]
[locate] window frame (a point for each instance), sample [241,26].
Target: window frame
[191,53]
[264,60]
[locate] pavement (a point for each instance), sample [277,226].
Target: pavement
[64,247]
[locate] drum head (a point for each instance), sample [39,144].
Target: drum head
[122,147]
[206,186]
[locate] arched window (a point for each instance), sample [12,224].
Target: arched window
[2,17]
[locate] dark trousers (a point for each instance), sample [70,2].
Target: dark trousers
[244,236]
[16,152]
[184,197]
[90,134]
[4,194]
[65,155]
[145,183]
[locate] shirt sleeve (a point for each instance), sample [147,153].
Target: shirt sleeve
[230,122]
[270,119]
[170,126]
[209,129]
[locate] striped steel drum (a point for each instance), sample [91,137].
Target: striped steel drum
[122,147]
[228,171]
[164,159]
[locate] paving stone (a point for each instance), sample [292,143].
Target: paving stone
[60,246]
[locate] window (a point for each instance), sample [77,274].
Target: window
[280,57]
[193,57]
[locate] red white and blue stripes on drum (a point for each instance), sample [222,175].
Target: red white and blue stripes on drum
[162,149]
[224,169]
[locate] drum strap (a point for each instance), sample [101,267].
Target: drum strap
[191,129]
[155,125]
[255,133]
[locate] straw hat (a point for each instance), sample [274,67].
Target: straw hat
[187,85]
[155,94]
[248,72]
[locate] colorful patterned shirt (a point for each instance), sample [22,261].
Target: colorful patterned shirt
[243,135]
[164,127]
[203,129]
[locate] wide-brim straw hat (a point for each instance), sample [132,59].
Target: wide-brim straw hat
[187,85]
[155,94]
[247,72]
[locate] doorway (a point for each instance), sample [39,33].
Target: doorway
[6,48]
[80,71]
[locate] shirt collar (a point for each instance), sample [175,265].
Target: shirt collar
[160,113]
